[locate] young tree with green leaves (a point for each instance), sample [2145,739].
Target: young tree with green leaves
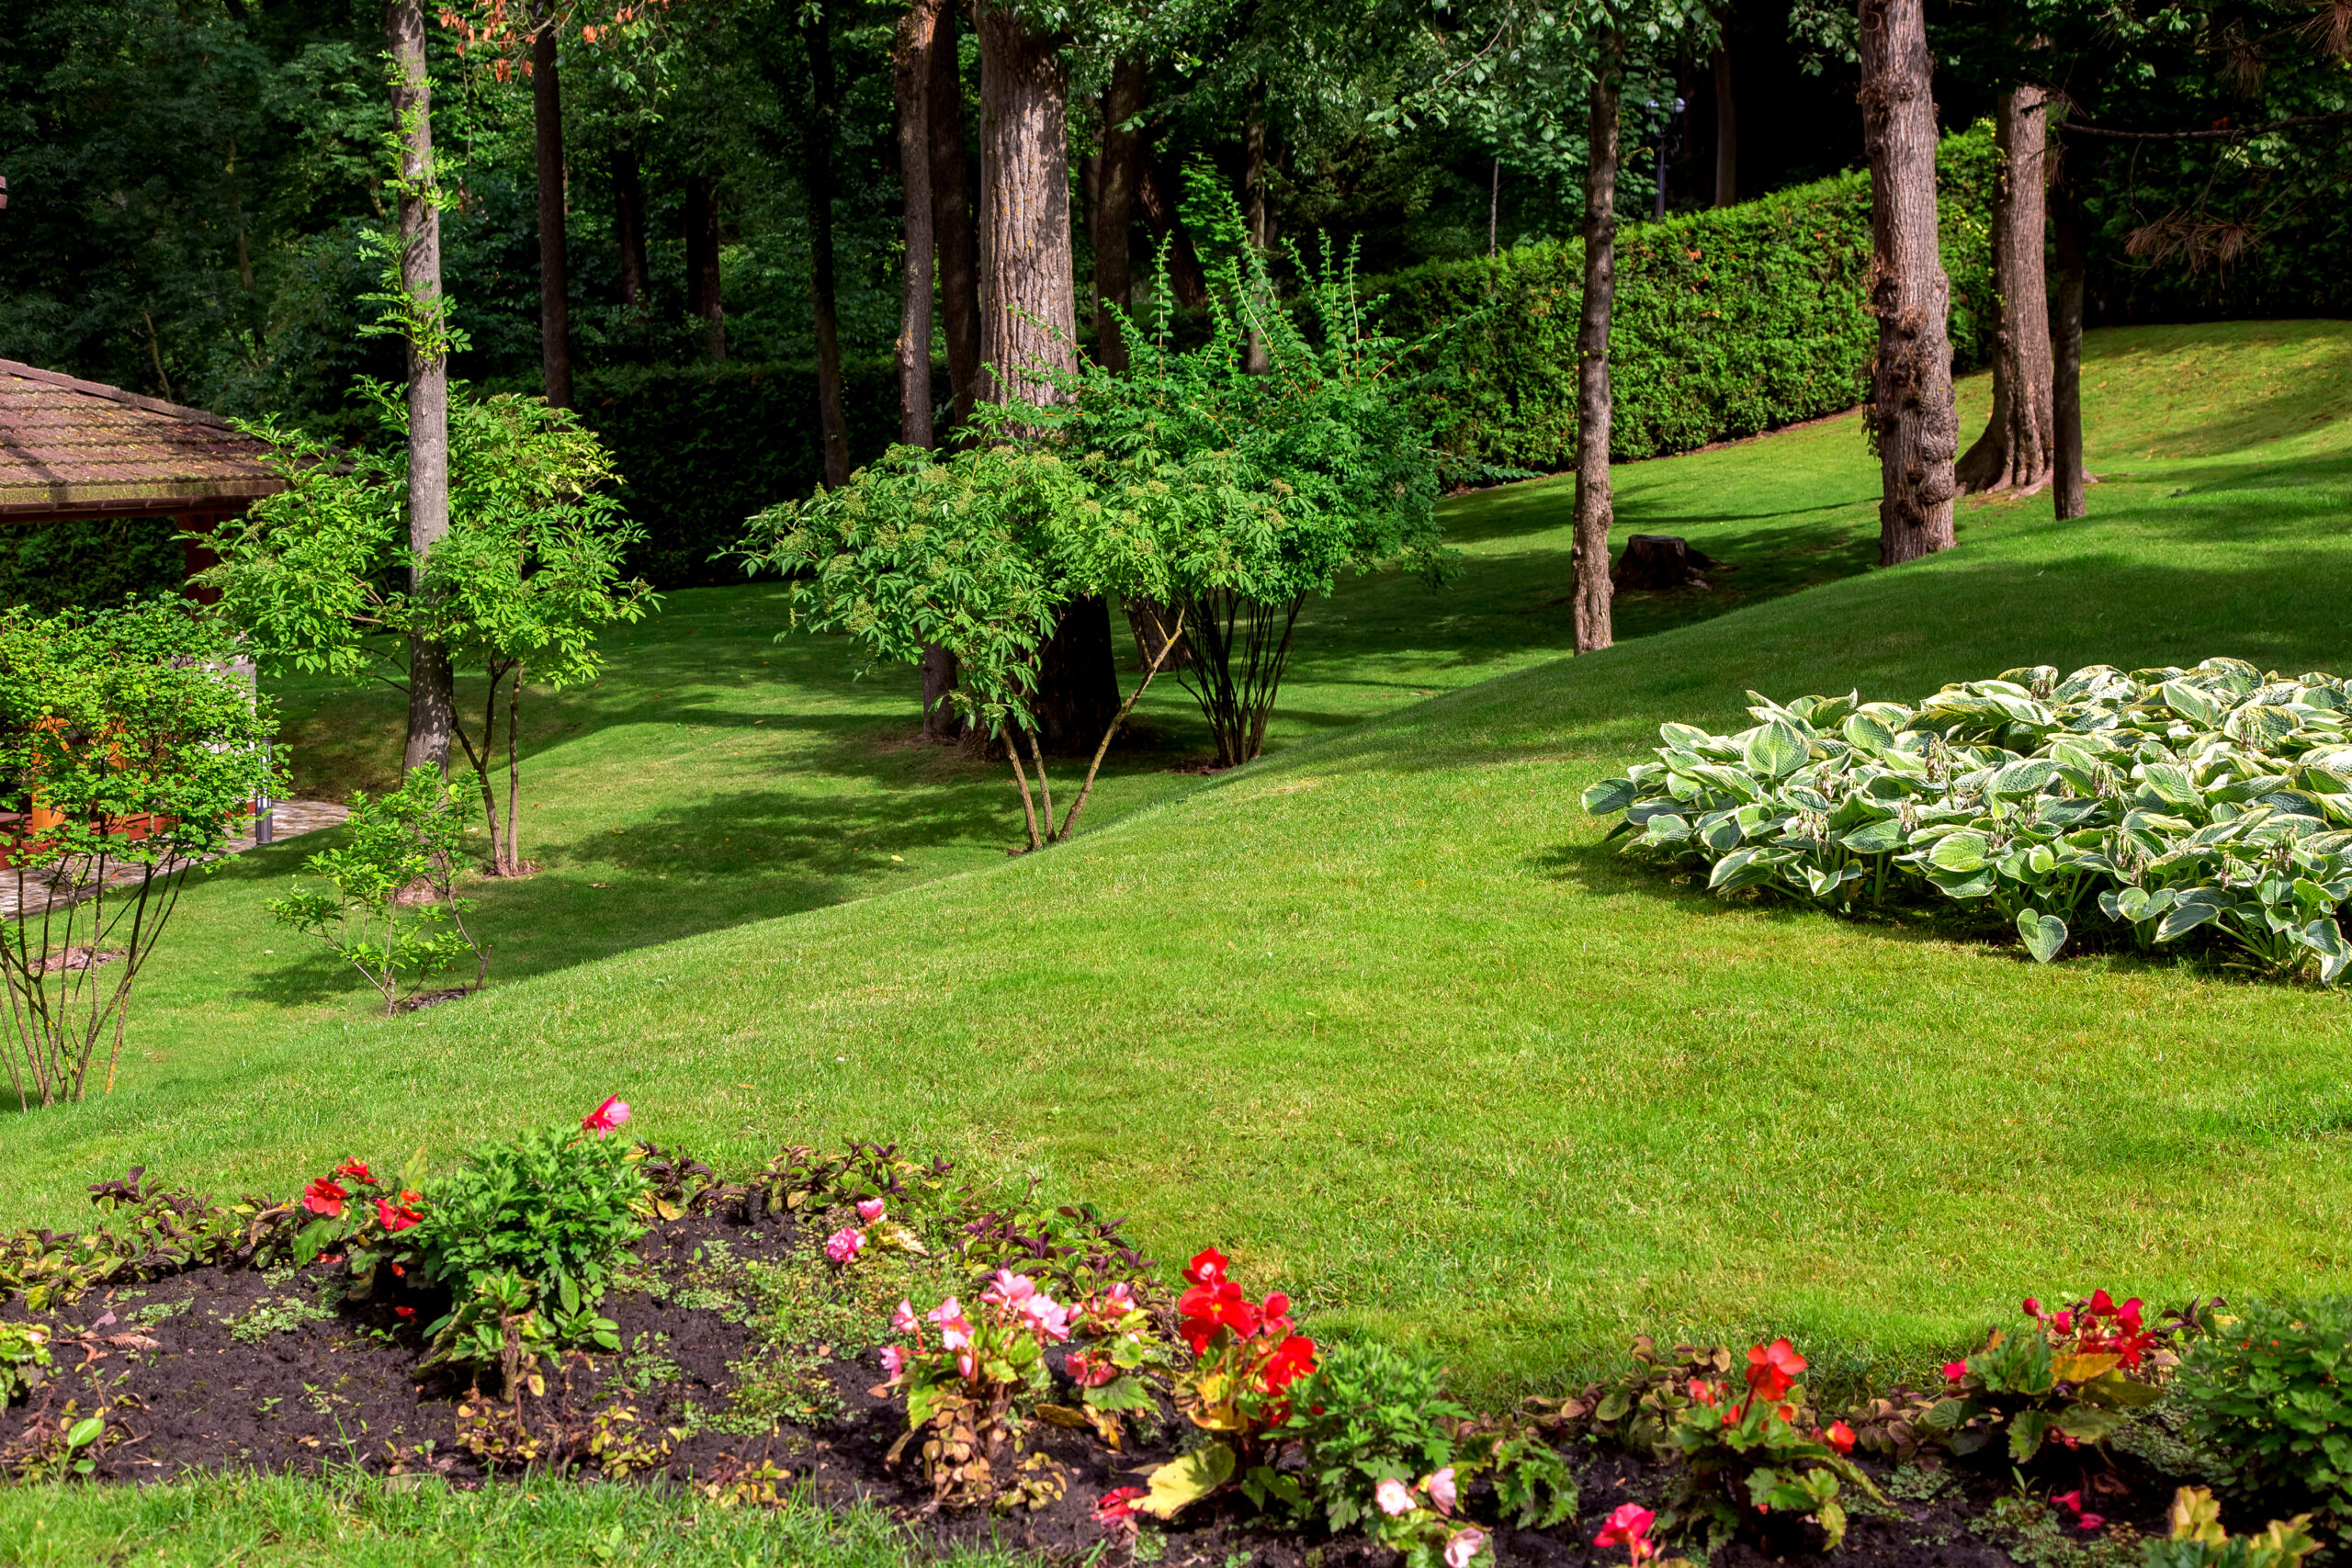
[136,752]
[526,577]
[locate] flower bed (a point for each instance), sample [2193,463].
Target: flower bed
[859,1324]
[2212,805]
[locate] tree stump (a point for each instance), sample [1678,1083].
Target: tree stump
[1660,561]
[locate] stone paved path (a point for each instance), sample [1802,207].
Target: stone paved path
[22,894]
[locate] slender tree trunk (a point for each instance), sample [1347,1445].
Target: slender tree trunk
[954,232]
[702,264]
[817,182]
[1183,265]
[1590,555]
[1258,215]
[1912,415]
[2067,377]
[1494,206]
[1726,129]
[911,78]
[628,225]
[2018,446]
[1028,297]
[555,301]
[1114,211]
[432,703]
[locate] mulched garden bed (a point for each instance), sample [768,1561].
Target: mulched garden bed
[226,1367]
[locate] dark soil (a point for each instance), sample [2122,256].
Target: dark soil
[230,1368]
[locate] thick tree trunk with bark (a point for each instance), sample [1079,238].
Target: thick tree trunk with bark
[1183,265]
[2066,357]
[628,226]
[910,78]
[1726,130]
[952,226]
[940,722]
[1121,170]
[432,706]
[555,296]
[817,182]
[1028,290]
[1078,678]
[2018,446]
[702,264]
[1912,414]
[1590,555]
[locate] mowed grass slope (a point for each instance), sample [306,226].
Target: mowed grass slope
[1383,1017]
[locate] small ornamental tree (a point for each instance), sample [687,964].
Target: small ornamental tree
[134,750]
[529,574]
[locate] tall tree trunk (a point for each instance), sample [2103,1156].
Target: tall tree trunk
[1590,554]
[1183,265]
[1078,678]
[1494,206]
[1028,292]
[954,232]
[1726,128]
[1114,211]
[432,703]
[2066,369]
[702,264]
[555,298]
[628,225]
[817,182]
[1912,414]
[940,722]
[2017,448]
[911,78]
[1258,216]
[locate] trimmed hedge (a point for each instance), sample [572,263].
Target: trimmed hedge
[1727,321]
[704,445]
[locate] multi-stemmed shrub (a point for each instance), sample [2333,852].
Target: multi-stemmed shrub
[2158,803]
[2071,1377]
[2269,1392]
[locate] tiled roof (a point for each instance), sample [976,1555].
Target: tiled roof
[73,448]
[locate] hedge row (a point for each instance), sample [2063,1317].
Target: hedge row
[1727,321]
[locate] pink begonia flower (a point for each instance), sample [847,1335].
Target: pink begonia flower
[964,1364]
[844,1245]
[1629,1527]
[1464,1545]
[1047,1318]
[1120,1298]
[2090,1521]
[2032,1307]
[894,1359]
[2070,1501]
[903,1320]
[1393,1498]
[955,1329]
[1008,1289]
[1440,1488]
[870,1209]
[605,1117]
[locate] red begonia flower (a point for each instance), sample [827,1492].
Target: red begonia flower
[2090,1521]
[395,1217]
[1209,1307]
[1841,1436]
[1955,1370]
[1772,1367]
[2070,1501]
[1292,1360]
[2064,1322]
[2101,1305]
[403,1311]
[2032,1307]
[2129,1314]
[1207,1267]
[357,1170]
[325,1197]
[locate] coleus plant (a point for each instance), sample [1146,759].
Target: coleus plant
[2067,1376]
[1246,1356]
[2162,803]
[1760,1454]
[972,1380]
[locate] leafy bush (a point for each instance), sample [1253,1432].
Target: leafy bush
[2198,1539]
[1726,322]
[2158,803]
[530,1230]
[2071,1376]
[2269,1392]
[1760,1455]
[372,920]
[1371,1413]
[971,1384]
[24,1358]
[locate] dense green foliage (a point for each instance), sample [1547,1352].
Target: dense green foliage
[48,566]
[1370,1413]
[2160,803]
[2267,1393]
[1726,322]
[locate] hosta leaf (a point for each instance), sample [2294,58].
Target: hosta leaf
[1685,738]
[2045,935]
[1610,794]
[1875,838]
[2186,917]
[1741,868]
[1665,828]
[1961,852]
[2027,775]
[2326,938]
[2169,783]
[1776,750]
[2190,704]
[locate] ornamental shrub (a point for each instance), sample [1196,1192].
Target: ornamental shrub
[2153,803]
[1726,322]
[2070,1376]
[2269,1392]
[1371,1413]
[1746,1458]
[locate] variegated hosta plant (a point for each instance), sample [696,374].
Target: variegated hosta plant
[2158,803]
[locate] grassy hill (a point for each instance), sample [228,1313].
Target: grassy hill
[1380,1015]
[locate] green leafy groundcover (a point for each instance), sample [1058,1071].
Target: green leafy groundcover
[2147,806]
[1726,322]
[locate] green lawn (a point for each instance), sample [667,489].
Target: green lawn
[1379,1015]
